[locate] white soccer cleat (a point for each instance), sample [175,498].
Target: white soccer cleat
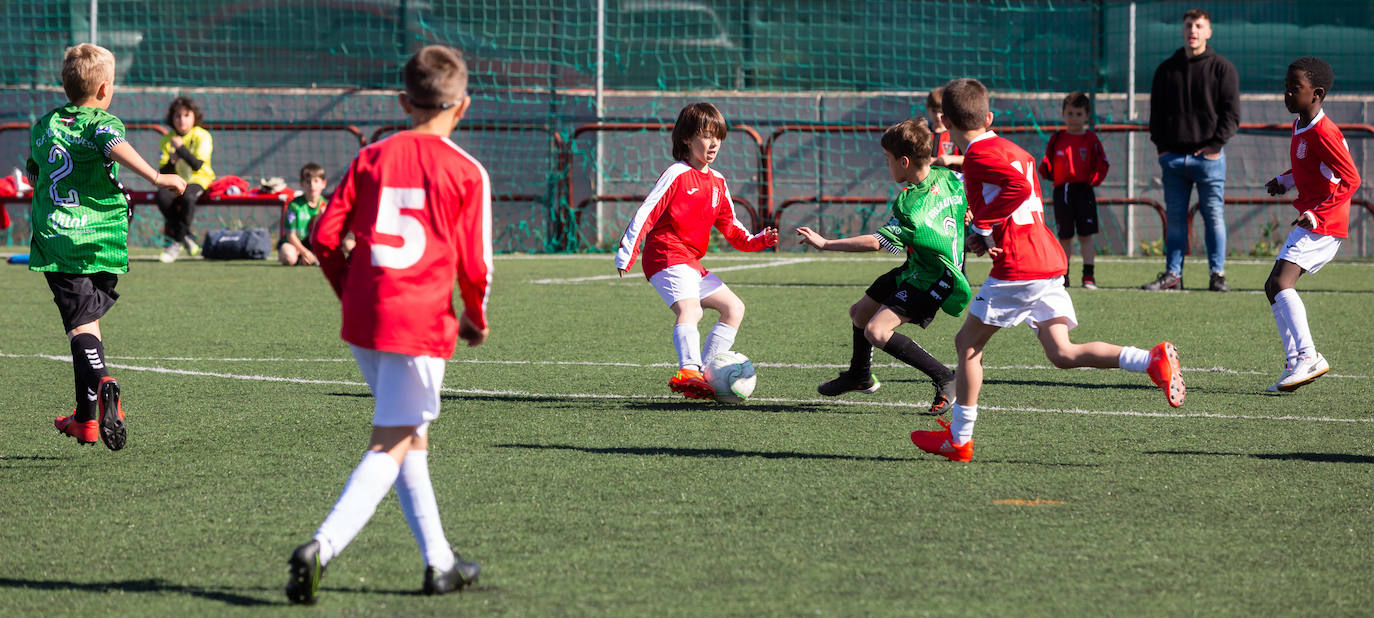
[1304,372]
[171,253]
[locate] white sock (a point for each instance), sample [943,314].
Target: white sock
[369,483]
[1134,359]
[687,341]
[721,337]
[1289,306]
[961,423]
[416,494]
[1290,345]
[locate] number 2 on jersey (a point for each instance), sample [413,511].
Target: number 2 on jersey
[55,154]
[391,220]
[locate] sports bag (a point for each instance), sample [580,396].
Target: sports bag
[247,244]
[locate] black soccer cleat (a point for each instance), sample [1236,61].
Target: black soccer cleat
[112,430]
[944,399]
[462,574]
[303,587]
[848,383]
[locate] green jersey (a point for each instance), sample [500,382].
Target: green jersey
[79,213]
[299,215]
[927,223]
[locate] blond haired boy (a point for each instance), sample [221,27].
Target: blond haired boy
[420,209]
[80,217]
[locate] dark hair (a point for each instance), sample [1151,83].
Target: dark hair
[1078,99]
[933,100]
[311,170]
[909,138]
[436,77]
[180,103]
[1317,70]
[1194,14]
[696,119]
[965,103]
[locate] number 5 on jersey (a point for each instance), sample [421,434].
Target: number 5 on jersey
[392,220]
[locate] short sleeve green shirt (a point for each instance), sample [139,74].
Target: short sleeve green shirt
[300,214]
[79,213]
[927,223]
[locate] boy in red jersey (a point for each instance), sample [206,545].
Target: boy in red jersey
[674,225]
[420,209]
[1075,161]
[1026,282]
[945,152]
[1326,178]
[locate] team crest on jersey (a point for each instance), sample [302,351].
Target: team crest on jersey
[935,189]
[715,197]
[67,122]
[1302,149]
[1083,154]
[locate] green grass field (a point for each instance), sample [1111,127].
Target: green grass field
[563,464]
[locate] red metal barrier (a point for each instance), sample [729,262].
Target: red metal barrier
[1286,201]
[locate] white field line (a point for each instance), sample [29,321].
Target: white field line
[781,400]
[769,264]
[474,361]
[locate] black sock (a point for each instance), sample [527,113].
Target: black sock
[1087,271]
[861,364]
[904,349]
[88,363]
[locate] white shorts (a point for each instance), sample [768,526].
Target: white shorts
[1008,303]
[681,282]
[1309,249]
[406,387]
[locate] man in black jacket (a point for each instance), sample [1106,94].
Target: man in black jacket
[1194,110]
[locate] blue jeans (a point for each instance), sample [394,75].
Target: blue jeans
[1181,172]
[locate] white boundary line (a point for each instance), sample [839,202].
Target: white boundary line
[769,264]
[781,400]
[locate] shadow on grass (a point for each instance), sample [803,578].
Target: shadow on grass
[696,452]
[218,593]
[1061,383]
[1317,457]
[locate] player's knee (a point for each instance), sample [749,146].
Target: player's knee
[1061,359]
[877,336]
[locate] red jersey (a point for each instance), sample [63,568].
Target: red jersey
[1073,158]
[420,210]
[1324,174]
[693,201]
[1004,197]
[942,144]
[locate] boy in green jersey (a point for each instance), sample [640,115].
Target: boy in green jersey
[80,219]
[297,217]
[927,224]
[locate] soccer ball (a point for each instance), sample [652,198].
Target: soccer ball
[732,376]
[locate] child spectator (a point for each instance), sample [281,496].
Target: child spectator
[80,217]
[420,207]
[186,153]
[1326,178]
[294,246]
[674,226]
[926,225]
[945,152]
[1075,162]
[1027,278]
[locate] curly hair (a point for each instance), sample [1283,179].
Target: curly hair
[1317,70]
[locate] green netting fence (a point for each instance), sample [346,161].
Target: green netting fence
[572,98]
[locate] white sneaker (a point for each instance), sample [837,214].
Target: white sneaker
[171,253]
[1304,372]
[1287,371]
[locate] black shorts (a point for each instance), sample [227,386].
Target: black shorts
[1075,210]
[917,305]
[82,299]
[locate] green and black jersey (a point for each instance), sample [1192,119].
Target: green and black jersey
[927,223]
[79,213]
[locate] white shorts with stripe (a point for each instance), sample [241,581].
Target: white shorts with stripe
[1008,303]
[681,281]
[1309,249]
[405,387]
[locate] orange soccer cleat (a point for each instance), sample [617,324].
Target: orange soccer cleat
[1166,373]
[942,443]
[85,432]
[692,384]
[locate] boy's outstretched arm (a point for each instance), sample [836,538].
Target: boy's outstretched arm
[124,154]
[867,242]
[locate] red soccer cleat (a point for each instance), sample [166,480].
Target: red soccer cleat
[85,432]
[1165,372]
[692,384]
[942,443]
